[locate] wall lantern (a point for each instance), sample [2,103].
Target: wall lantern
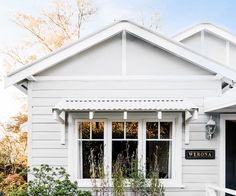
[210,128]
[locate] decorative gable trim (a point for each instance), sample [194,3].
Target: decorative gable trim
[208,27]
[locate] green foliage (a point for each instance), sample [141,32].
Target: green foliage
[118,176]
[156,188]
[138,183]
[97,170]
[49,181]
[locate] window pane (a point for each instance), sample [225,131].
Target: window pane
[117,130]
[157,157]
[132,130]
[84,130]
[87,147]
[97,130]
[165,130]
[122,153]
[152,130]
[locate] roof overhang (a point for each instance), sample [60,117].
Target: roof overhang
[222,104]
[158,40]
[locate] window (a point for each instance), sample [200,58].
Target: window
[124,143]
[158,148]
[90,145]
[156,143]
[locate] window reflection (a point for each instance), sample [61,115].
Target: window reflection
[91,147]
[157,158]
[123,152]
[165,132]
[152,130]
[132,130]
[117,130]
[97,130]
[124,146]
[87,160]
[84,128]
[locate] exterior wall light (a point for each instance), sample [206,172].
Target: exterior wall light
[210,128]
[125,115]
[159,115]
[91,115]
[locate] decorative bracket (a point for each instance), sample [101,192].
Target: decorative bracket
[188,117]
[60,116]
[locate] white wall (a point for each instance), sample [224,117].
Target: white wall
[102,59]
[45,135]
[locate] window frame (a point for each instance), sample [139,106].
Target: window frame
[172,140]
[80,161]
[177,129]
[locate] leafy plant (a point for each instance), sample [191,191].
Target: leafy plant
[49,181]
[97,171]
[12,183]
[138,183]
[118,176]
[156,188]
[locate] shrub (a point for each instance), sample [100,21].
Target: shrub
[12,183]
[48,181]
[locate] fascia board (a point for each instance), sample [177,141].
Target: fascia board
[188,32]
[215,103]
[211,28]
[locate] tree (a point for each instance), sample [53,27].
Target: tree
[51,30]
[13,145]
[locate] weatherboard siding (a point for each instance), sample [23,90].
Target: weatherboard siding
[45,135]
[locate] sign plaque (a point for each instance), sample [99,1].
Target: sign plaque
[199,154]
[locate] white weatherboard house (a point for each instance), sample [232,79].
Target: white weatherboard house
[173,97]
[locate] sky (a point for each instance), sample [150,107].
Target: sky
[175,15]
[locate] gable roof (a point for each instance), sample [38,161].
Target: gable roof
[208,27]
[174,47]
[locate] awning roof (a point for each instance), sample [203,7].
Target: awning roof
[124,105]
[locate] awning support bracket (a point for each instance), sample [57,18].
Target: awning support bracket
[59,116]
[188,118]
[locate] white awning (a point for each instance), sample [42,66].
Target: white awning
[72,104]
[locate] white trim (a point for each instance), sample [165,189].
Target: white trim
[30,129]
[216,103]
[227,55]
[223,118]
[129,77]
[72,169]
[212,190]
[158,40]
[202,41]
[218,31]
[123,48]
[31,78]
